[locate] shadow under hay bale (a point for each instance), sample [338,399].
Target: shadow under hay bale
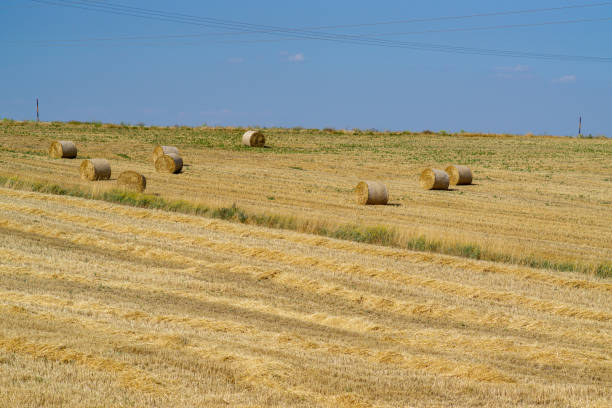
[95,169]
[159,151]
[63,149]
[459,175]
[371,193]
[434,179]
[169,163]
[131,180]
[253,138]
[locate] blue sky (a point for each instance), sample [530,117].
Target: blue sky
[263,79]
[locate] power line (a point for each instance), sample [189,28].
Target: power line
[184,18]
[468,16]
[139,12]
[497,27]
[219,34]
[406,21]
[312,35]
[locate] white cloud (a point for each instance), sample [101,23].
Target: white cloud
[299,57]
[236,60]
[518,71]
[515,68]
[566,78]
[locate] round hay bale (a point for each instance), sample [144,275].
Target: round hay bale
[130,180]
[253,138]
[95,169]
[169,163]
[434,179]
[372,193]
[63,149]
[161,150]
[459,175]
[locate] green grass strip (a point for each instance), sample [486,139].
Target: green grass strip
[377,235]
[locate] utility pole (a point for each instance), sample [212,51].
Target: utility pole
[37,117]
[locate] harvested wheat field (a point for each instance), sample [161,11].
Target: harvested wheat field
[110,304]
[535,201]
